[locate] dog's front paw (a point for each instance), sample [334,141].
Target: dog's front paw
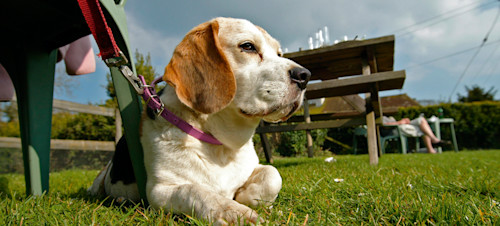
[235,213]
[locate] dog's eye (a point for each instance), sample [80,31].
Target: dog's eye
[248,47]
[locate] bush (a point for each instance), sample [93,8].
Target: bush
[343,141]
[293,143]
[83,127]
[11,160]
[71,126]
[9,129]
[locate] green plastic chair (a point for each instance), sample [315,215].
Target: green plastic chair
[392,134]
[358,132]
[395,134]
[29,54]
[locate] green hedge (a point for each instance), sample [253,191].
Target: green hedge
[477,126]
[71,126]
[293,143]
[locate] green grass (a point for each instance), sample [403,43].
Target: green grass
[450,188]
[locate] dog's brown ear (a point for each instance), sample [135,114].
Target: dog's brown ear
[199,70]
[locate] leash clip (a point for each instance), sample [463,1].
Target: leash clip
[121,62]
[116,61]
[133,80]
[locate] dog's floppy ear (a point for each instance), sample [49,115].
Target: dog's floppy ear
[199,70]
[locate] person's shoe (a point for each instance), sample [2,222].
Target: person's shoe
[442,143]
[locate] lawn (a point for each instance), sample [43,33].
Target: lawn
[450,188]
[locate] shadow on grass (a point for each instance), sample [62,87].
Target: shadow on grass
[127,206]
[11,193]
[106,201]
[290,162]
[285,164]
[4,186]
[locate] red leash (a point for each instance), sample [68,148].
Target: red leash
[103,35]
[110,53]
[113,57]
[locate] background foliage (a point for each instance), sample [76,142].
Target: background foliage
[293,143]
[477,125]
[477,93]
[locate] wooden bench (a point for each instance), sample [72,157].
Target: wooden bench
[345,69]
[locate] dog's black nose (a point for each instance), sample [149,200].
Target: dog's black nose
[300,76]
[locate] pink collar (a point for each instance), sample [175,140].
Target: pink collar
[154,102]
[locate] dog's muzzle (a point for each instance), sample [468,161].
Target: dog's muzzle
[300,76]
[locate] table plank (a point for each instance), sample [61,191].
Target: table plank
[344,58]
[356,84]
[312,125]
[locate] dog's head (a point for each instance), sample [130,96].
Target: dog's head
[232,63]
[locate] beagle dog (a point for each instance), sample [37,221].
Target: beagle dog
[224,77]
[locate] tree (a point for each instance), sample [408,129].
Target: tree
[477,93]
[64,84]
[142,66]
[8,111]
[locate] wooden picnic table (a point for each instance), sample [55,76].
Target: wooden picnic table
[345,69]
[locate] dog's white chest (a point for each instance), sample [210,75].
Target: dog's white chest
[220,170]
[228,178]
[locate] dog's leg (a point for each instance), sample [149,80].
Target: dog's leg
[98,187]
[195,200]
[261,189]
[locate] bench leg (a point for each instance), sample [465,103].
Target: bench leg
[403,142]
[130,109]
[417,144]
[382,145]
[129,104]
[307,119]
[310,148]
[32,72]
[437,127]
[266,146]
[354,144]
[372,138]
[453,137]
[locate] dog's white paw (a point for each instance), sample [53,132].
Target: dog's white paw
[234,213]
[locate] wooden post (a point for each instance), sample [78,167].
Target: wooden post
[307,118]
[265,145]
[370,121]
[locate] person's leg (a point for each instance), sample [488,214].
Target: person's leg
[426,129]
[428,144]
